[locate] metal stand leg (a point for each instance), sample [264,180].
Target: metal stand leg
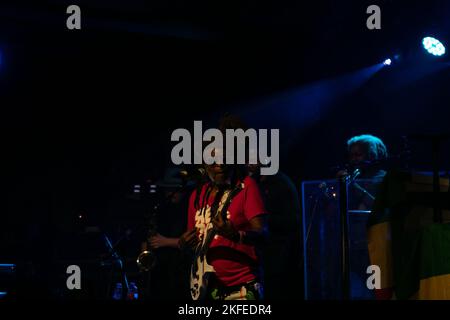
[343,209]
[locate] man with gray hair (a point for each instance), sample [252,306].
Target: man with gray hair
[366,156]
[366,153]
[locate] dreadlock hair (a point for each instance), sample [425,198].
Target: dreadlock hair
[230,121]
[238,171]
[375,148]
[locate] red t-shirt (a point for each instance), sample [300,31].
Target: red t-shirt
[233,263]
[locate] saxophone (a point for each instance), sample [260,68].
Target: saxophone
[147,258]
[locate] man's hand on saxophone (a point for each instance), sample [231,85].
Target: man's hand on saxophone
[160,241]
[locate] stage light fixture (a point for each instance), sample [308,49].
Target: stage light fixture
[433,46]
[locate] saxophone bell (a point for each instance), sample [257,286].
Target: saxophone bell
[146,260]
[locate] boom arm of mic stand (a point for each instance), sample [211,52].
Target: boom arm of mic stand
[367,193]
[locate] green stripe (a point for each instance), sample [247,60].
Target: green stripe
[435,251]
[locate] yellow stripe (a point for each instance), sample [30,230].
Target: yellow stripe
[380,251]
[434,288]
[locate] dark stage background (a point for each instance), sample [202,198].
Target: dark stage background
[85,114]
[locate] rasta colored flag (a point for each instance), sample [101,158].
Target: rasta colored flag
[412,251]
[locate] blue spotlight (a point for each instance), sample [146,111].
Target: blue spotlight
[387,62]
[433,46]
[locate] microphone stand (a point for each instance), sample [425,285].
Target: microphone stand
[344,182]
[367,193]
[343,208]
[117,261]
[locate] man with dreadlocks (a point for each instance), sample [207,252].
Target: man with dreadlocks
[282,263]
[226,226]
[366,153]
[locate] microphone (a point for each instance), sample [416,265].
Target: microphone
[352,181]
[351,171]
[355,174]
